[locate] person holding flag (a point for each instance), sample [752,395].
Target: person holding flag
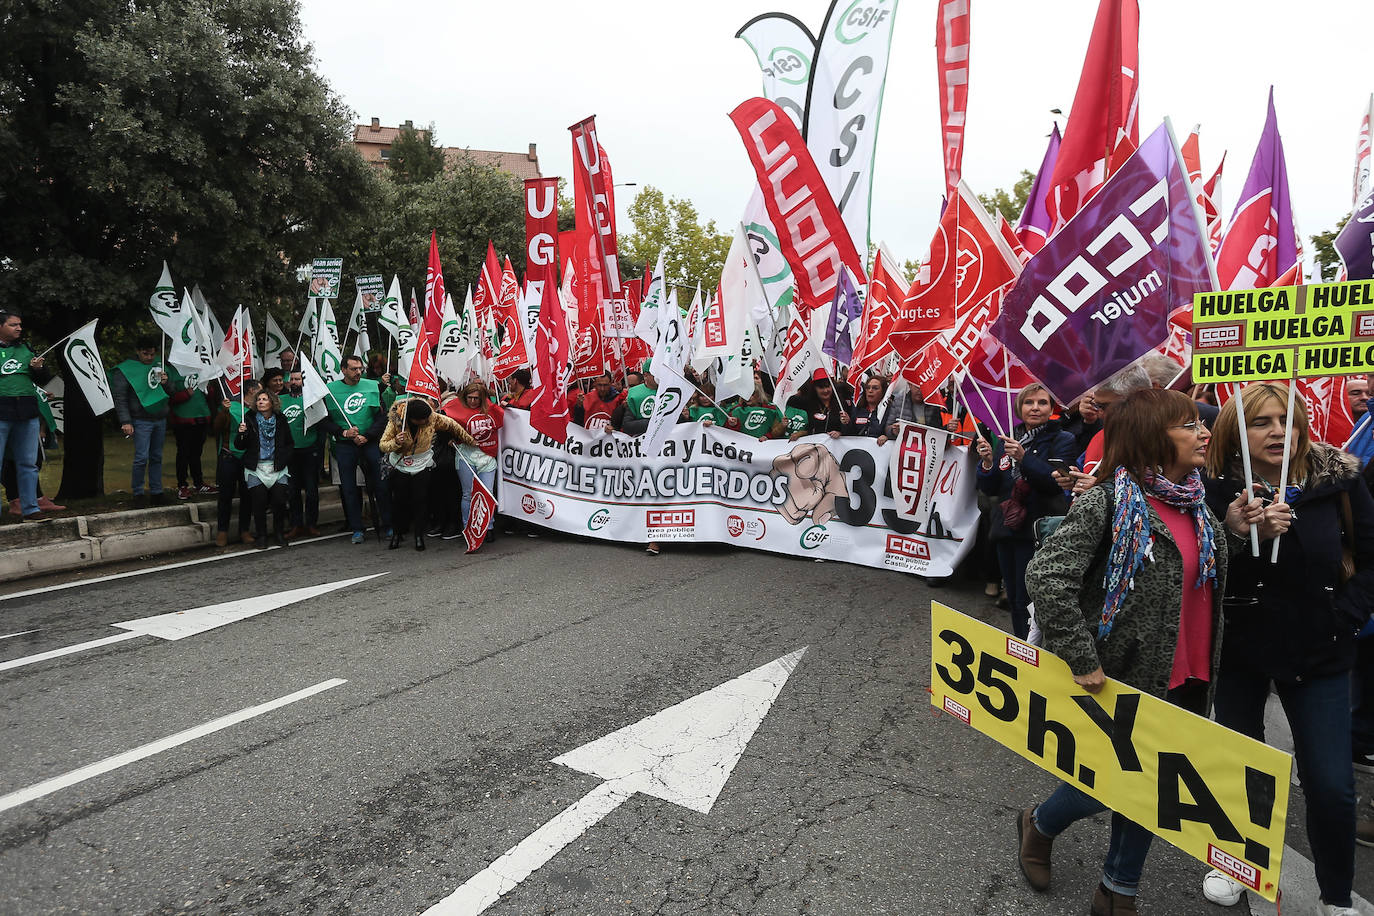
[355,422]
[481,420]
[190,416]
[142,390]
[304,467]
[229,467]
[265,439]
[20,371]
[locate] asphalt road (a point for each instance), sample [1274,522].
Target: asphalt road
[464,677]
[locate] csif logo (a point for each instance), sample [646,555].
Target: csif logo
[598,519]
[154,376]
[10,367]
[862,17]
[291,411]
[789,65]
[354,402]
[814,537]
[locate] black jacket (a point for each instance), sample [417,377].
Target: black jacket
[1294,620]
[249,442]
[1045,497]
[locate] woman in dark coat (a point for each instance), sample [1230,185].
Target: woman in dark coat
[1292,624]
[1023,478]
[265,437]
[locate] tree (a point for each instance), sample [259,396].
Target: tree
[464,206]
[1009,205]
[132,132]
[693,253]
[414,156]
[1324,250]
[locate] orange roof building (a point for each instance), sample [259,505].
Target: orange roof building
[374,143]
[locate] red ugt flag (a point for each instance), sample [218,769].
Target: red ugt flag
[481,511]
[549,412]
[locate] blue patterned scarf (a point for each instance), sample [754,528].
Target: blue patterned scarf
[1132,542]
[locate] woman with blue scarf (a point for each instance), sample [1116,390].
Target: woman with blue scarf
[1291,624]
[265,437]
[1107,595]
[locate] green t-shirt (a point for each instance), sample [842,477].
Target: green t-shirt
[235,418]
[140,378]
[701,412]
[15,378]
[797,420]
[756,421]
[639,400]
[354,405]
[293,408]
[195,406]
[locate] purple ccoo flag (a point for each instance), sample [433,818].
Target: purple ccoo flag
[1033,228]
[1355,242]
[1098,295]
[845,311]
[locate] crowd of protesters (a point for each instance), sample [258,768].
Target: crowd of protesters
[1148,578]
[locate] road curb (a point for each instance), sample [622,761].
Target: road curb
[84,541]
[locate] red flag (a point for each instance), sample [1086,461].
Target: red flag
[885,294]
[930,368]
[549,412]
[488,292]
[423,379]
[1012,239]
[594,185]
[513,353]
[968,260]
[951,62]
[481,511]
[1211,206]
[1103,113]
[236,355]
[434,297]
[811,232]
[541,226]
[414,315]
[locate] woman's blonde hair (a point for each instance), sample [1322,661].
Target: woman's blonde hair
[1223,455]
[1024,394]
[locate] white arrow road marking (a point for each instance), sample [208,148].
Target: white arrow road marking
[683,754]
[180,624]
[48,786]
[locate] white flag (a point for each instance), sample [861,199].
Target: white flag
[801,359]
[84,359]
[313,392]
[672,395]
[325,345]
[391,318]
[646,328]
[274,342]
[191,352]
[670,354]
[451,355]
[163,304]
[206,316]
[309,320]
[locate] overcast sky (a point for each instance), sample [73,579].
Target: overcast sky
[661,77]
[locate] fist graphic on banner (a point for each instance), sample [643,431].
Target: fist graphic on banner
[814,482]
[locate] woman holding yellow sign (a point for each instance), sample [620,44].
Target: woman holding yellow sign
[1130,587]
[1292,623]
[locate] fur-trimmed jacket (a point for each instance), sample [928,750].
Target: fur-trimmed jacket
[1295,620]
[1064,580]
[423,438]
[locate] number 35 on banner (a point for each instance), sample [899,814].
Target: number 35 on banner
[1214,793]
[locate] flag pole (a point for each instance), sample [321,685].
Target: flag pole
[1283,472]
[1006,378]
[56,343]
[1245,462]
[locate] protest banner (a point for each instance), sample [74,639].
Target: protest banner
[1284,332]
[816,497]
[372,288]
[1217,795]
[326,276]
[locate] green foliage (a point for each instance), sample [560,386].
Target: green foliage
[133,131]
[693,253]
[1009,205]
[1324,249]
[465,205]
[414,156]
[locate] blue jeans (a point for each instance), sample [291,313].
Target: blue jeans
[21,438]
[1013,556]
[1318,714]
[1130,842]
[465,475]
[349,457]
[149,435]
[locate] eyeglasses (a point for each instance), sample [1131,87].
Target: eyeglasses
[1193,426]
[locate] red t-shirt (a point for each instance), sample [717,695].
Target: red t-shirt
[524,401]
[1193,652]
[1092,455]
[481,426]
[596,413]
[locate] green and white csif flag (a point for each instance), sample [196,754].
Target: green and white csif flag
[363,346]
[191,352]
[309,320]
[325,345]
[646,328]
[163,305]
[274,342]
[357,320]
[451,355]
[206,315]
[392,319]
[84,360]
[314,390]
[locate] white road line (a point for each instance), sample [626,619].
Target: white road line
[48,786]
[20,633]
[152,569]
[66,650]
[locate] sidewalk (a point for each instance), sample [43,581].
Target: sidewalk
[85,541]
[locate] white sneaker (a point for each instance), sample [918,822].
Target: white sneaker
[1332,910]
[1221,890]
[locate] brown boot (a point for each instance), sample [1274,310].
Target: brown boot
[246,538]
[222,539]
[295,533]
[1033,852]
[1110,903]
